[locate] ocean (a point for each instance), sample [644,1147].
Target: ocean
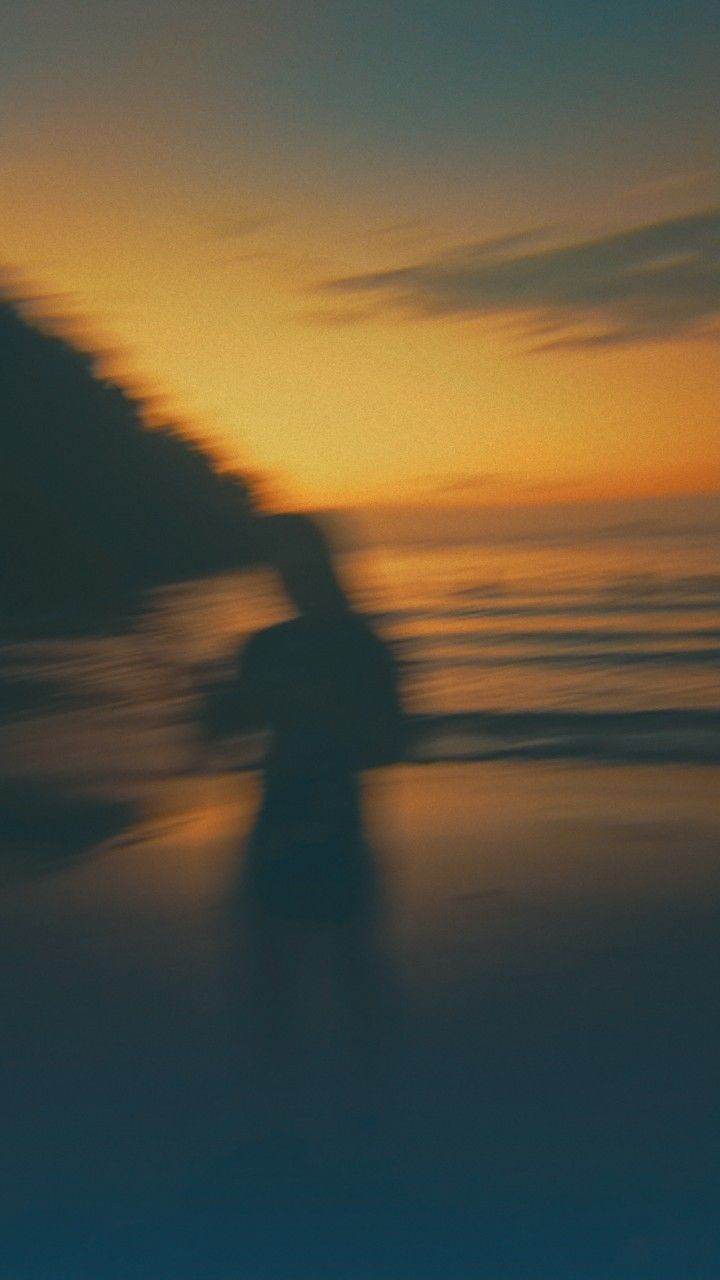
[603,649]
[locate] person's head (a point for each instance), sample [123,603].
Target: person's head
[296,547]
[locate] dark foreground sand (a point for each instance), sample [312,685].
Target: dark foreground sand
[528,1090]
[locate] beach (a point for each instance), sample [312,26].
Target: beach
[549,933]
[507,1068]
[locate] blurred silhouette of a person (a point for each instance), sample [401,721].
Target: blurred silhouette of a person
[325,687]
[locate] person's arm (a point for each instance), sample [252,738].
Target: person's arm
[237,705]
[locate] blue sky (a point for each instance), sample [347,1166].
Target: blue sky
[457,84]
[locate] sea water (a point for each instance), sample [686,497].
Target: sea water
[604,649]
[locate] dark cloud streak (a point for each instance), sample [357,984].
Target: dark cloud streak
[652,282]
[235,228]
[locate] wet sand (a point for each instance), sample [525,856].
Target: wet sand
[538,1098]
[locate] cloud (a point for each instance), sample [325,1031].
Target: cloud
[671,184]
[468,486]
[649,283]
[390,229]
[240,225]
[335,317]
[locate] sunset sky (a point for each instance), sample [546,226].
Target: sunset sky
[389,250]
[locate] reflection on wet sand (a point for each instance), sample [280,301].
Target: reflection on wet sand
[321,1027]
[553,1040]
[43,826]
